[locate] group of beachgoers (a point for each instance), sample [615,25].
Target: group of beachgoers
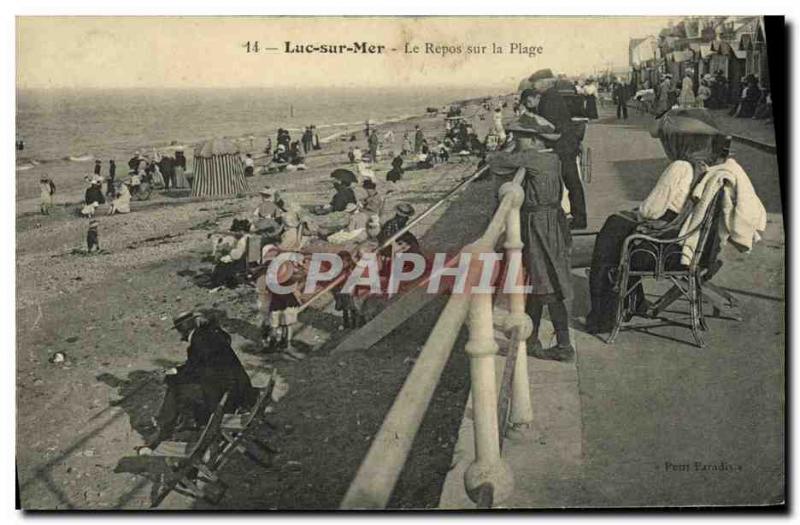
[288,154]
[273,244]
[753,101]
[700,166]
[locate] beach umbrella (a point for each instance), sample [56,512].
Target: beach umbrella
[344,176]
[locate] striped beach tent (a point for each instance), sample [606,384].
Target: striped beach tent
[218,169]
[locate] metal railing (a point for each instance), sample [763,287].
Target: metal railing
[488,480]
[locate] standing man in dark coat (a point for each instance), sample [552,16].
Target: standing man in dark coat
[418,138]
[112,173]
[620,93]
[167,167]
[553,108]
[211,369]
[373,142]
[545,233]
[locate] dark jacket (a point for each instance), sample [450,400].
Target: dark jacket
[620,93]
[342,198]
[553,108]
[94,194]
[212,363]
[180,160]
[545,231]
[166,165]
[392,226]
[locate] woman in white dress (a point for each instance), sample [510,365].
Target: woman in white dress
[686,99]
[122,204]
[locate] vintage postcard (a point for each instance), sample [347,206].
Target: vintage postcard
[305,263]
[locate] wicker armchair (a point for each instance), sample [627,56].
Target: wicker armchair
[656,253]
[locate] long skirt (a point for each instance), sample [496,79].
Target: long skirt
[591,107]
[548,243]
[603,272]
[180,178]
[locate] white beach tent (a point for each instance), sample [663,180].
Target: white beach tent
[218,169]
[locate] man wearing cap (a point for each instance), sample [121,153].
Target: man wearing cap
[211,369]
[553,108]
[545,232]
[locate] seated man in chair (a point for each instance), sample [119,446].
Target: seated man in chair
[693,143]
[211,369]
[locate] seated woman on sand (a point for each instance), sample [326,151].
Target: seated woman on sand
[121,204]
[692,142]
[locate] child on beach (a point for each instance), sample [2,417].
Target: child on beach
[47,189]
[344,302]
[92,239]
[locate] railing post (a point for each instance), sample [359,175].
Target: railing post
[488,466]
[521,409]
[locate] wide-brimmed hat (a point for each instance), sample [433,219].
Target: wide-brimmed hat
[405,209]
[181,318]
[542,74]
[266,190]
[93,222]
[351,207]
[534,125]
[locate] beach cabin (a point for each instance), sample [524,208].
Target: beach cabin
[218,169]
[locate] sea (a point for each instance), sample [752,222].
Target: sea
[64,130]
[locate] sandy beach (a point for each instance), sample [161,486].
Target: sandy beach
[111,313]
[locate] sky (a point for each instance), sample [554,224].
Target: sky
[209,52]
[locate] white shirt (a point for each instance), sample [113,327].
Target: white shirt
[248,162]
[670,192]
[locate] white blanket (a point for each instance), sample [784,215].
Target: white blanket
[744,216]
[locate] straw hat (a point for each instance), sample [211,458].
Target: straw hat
[404,209]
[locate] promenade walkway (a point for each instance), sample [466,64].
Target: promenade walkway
[652,420]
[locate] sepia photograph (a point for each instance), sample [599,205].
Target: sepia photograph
[400,262]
